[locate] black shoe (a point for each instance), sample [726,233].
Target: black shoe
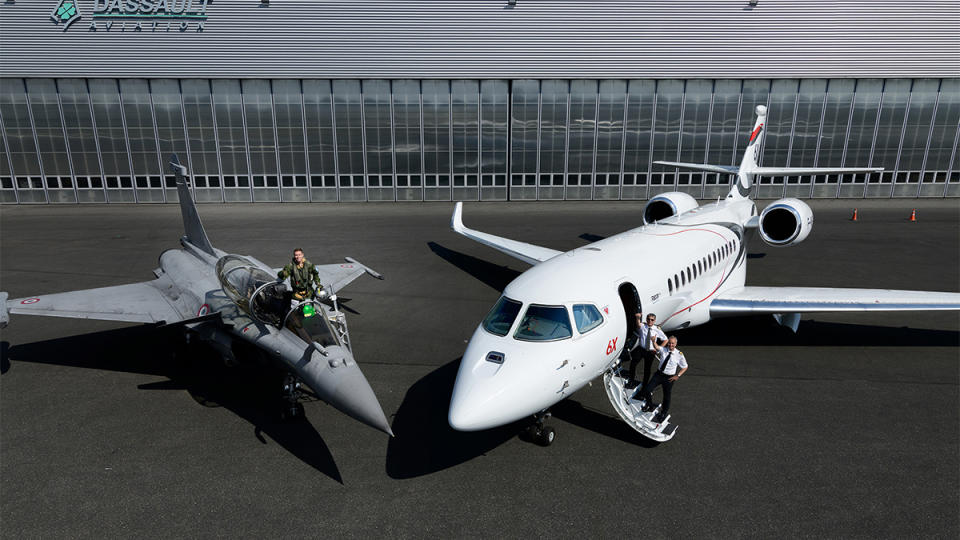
[631,384]
[649,407]
[660,417]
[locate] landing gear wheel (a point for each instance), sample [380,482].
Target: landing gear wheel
[292,408]
[546,436]
[537,432]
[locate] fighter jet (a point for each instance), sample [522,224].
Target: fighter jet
[566,321]
[226,300]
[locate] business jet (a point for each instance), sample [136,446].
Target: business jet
[566,320]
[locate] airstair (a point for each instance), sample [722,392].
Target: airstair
[631,410]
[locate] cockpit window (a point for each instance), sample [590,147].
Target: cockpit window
[544,323]
[253,289]
[587,317]
[501,317]
[308,321]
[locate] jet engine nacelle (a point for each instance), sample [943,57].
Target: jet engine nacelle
[667,204]
[785,222]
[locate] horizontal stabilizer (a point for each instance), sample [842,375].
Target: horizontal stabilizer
[782,300]
[722,169]
[798,171]
[527,253]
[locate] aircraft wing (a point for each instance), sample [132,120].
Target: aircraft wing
[527,253]
[137,302]
[337,276]
[778,300]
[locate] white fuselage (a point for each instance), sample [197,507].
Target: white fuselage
[676,267]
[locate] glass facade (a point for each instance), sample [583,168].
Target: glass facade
[108,140]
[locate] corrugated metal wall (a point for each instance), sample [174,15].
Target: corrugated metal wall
[490,39]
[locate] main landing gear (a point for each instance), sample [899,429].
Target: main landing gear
[292,408]
[539,433]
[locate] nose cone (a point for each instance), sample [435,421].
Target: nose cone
[337,379]
[487,394]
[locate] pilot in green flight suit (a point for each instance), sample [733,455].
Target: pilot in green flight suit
[304,279]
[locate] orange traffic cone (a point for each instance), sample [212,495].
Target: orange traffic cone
[854,217]
[913,215]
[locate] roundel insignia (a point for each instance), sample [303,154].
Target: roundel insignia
[29,301]
[204,309]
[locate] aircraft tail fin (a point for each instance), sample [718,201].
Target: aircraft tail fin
[748,165]
[192,227]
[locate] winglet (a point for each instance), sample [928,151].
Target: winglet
[4,313]
[456,220]
[192,227]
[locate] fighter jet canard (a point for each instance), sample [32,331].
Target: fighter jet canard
[565,322]
[223,298]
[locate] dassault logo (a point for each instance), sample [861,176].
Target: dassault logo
[136,15]
[65,12]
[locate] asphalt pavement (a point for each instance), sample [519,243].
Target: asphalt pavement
[850,428]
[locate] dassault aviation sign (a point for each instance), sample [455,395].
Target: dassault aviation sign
[135,15]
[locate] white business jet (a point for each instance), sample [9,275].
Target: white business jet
[564,322]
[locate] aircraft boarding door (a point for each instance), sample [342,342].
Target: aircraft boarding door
[631,306]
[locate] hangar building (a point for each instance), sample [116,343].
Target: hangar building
[437,100]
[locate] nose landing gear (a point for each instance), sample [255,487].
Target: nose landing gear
[291,394]
[538,432]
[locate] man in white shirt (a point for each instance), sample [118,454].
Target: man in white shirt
[672,366]
[650,339]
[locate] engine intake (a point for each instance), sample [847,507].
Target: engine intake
[785,222]
[667,204]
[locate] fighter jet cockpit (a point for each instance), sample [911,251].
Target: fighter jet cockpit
[307,320]
[267,300]
[253,289]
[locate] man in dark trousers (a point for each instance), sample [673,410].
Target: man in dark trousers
[672,365]
[304,278]
[649,338]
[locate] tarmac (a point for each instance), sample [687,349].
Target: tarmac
[850,428]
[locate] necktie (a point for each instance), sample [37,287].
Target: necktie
[666,360]
[649,337]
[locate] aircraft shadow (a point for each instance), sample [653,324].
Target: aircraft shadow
[573,412]
[424,442]
[250,390]
[761,330]
[494,275]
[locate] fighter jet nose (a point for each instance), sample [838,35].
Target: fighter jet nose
[337,379]
[355,397]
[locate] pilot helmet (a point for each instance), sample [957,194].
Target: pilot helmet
[309,310]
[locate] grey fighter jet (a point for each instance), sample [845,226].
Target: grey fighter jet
[226,298]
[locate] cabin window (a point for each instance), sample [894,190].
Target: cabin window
[544,323]
[676,282]
[501,317]
[689,274]
[587,317]
[669,286]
